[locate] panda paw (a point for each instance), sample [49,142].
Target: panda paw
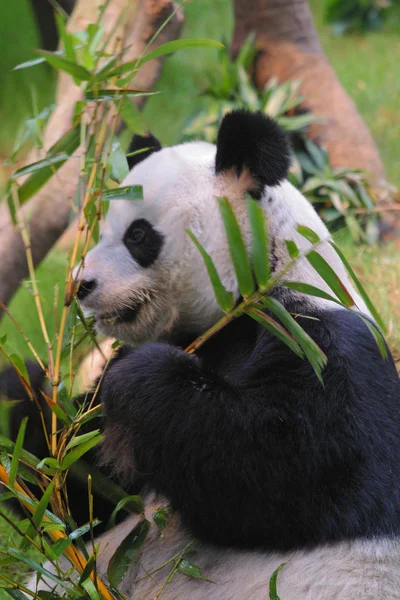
[138,395]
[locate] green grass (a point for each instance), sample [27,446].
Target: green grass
[368,67]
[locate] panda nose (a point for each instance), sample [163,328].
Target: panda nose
[85,289]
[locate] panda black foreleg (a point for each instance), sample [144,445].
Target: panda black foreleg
[189,433]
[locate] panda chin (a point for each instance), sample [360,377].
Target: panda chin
[124,316]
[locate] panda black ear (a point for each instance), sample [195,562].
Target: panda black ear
[148,143]
[255,143]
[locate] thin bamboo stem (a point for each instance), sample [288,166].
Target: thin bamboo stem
[72,553]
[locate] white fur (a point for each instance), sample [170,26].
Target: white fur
[359,570]
[180,192]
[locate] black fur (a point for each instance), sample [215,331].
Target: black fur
[247,444]
[143,242]
[141,142]
[254,142]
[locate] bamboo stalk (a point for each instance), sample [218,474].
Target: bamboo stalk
[72,553]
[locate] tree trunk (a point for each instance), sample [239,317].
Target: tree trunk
[290,49]
[48,213]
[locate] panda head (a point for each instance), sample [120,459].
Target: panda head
[145,280]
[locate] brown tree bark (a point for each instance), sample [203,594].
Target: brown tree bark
[290,49]
[48,213]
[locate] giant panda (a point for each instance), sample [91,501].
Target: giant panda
[262,464]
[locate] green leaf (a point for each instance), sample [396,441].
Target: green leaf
[67,144]
[163,50]
[29,63]
[20,366]
[65,38]
[16,594]
[34,565]
[237,249]
[26,456]
[80,439]
[60,546]
[75,454]
[102,95]
[40,164]
[182,44]
[37,516]
[292,248]
[118,163]
[224,297]
[191,570]
[330,277]
[132,504]
[310,290]
[248,94]
[260,243]
[360,288]
[275,328]
[17,452]
[90,588]
[313,352]
[380,340]
[130,192]
[81,531]
[161,515]
[126,553]
[63,64]
[309,234]
[273,592]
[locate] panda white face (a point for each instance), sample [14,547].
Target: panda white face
[145,276]
[145,280]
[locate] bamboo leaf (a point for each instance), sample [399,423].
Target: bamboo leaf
[65,38]
[76,453]
[191,570]
[20,366]
[309,234]
[313,352]
[275,328]
[310,290]
[80,439]
[81,531]
[37,516]
[26,456]
[132,504]
[67,144]
[237,249]
[17,451]
[273,592]
[292,249]
[260,243]
[35,566]
[163,50]
[126,553]
[63,64]
[40,164]
[130,192]
[380,340]
[224,297]
[330,277]
[360,288]
[102,95]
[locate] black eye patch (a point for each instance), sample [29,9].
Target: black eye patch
[143,242]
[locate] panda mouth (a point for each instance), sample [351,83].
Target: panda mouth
[125,315]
